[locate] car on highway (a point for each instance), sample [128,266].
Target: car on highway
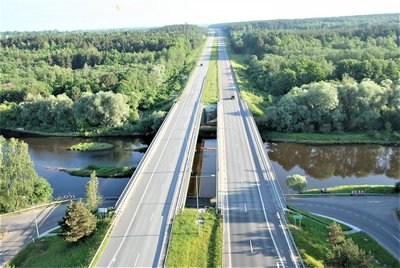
[233,97]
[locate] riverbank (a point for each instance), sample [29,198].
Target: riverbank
[101,171]
[311,239]
[91,146]
[384,138]
[347,189]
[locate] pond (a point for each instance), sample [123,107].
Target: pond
[51,153]
[332,165]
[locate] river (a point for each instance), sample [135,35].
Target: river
[51,153]
[332,165]
[324,166]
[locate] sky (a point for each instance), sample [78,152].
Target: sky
[67,15]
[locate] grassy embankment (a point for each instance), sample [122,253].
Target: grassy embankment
[370,189]
[258,102]
[211,91]
[101,171]
[91,146]
[188,249]
[56,252]
[311,240]
[335,138]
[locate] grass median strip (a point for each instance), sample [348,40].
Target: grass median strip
[188,248]
[211,91]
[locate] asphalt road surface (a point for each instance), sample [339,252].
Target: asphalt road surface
[375,215]
[20,229]
[253,231]
[137,239]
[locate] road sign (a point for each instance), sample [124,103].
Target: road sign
[298,217]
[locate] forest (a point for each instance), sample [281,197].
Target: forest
[325,74]
[103,82]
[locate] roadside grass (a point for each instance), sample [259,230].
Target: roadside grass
[91,146]
[56,252]
[102,171]
[311,239]
[256,100]
[369,189]
[382,137]
[321,220]
[211,90]
[188,249]
[368,244]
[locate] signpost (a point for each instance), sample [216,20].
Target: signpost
[299,218]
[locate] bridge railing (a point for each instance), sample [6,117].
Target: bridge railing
[272,176]
[181,191]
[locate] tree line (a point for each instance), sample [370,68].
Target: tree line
[323,75]
[61,81]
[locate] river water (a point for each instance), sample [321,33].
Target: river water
[324,166]
[332,165]
[51,153]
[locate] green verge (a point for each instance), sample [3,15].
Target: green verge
[369,189]
[256,100]
[56,252]
[211,91]
[102,171]
[375,137]
[91,146]
[188,249]
[311,239]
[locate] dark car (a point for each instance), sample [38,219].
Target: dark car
[201,64]
[233,97]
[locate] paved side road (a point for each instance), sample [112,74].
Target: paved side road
[375,215]
[20,229]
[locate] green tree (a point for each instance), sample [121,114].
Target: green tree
[335,234]
[93,198]
[296,182]
[78,222]
[20,185]
[348,254]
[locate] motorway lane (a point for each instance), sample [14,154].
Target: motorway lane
[138,236]
[254,237]
[375,215]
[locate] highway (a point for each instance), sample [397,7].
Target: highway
[255,234]
[374,215]
[141,228]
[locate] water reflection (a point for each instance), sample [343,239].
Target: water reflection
[50,153]
[323,162]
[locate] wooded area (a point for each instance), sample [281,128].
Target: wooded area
[94,82]
[323,74]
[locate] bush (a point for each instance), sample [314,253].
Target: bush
[296,182]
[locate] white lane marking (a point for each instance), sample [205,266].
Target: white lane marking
[241,180]
[162,186]
[150,179]
[137,258]
[277,214]
[245,208]
[114,259]
[251,247]
[151,217]
[258,187]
